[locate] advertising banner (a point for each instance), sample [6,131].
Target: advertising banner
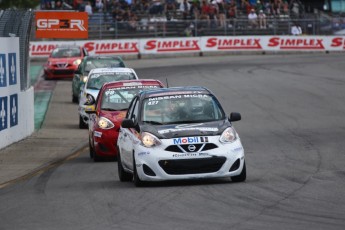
[61,24]
[196,44]
[9,85]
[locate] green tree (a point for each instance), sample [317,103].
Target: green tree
[19,4]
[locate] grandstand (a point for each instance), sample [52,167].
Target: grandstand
[121,20]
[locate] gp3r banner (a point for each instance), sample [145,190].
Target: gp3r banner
[57,24]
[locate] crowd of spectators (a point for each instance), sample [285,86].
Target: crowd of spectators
[214,12]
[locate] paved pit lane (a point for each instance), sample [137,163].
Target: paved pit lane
[293,132]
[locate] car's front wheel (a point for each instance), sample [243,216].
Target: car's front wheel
[123,175]
[243,175]
[92,152]
[82,124]
[75,99]
[136,179]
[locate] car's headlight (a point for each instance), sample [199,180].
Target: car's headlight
[84,79]
[77,62]
[149,140]
[105,123]
[228,136]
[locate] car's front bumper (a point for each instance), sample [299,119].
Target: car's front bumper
[55,73]
[157,164]
[105,142]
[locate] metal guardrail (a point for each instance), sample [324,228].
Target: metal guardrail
[18,23]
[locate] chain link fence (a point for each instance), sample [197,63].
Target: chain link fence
[17,23]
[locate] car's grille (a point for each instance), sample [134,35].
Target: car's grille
[62,65]
[192,166]
[63,72]
[187,148]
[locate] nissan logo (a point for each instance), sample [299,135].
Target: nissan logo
[191,148]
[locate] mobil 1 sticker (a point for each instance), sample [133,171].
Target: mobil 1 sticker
[189,140]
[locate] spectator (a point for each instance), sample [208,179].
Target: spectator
[296,29]
[99,5]
[221,13]
[156,7]
[133,21]
[276,7]
[295,6]
[253,19]
[205,9]
[58,5]
[88,8]
[285,6]
[262,20]
[268,8]
[185,9]
[195,10]
[232,10]
[259,6]
[213,13]
[170,6]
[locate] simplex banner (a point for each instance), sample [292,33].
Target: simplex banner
[196,44]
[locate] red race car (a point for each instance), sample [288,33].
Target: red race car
[108,111]
[63,62]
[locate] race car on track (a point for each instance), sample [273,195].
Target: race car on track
[96,78]
[87,64]
[179,133]
[63,62]
[107,113]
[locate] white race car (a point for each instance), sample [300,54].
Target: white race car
[179,133]
[96,78]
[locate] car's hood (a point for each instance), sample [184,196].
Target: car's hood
[63,60]
[185,130]
[114,116]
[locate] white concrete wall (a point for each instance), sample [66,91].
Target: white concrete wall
[16,107]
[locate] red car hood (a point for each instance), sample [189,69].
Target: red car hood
[63,60]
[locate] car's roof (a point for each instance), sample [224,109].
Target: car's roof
[138,82]
[112,70]
[176,90]
[68,47]
[102,57]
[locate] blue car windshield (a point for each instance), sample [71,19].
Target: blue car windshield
[186,108]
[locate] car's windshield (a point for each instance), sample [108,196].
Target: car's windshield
[120,98]
[102,63]
[66,52]
[97,80]
[184,108]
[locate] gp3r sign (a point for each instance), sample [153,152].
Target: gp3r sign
[57,24]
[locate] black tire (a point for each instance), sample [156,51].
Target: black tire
[75,99]
[136,179]
[123,175]
[92,152]
[82,124]
[242,177]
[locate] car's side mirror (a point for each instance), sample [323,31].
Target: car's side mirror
[90,100]
[90,109]
[127,123]
[234,117]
